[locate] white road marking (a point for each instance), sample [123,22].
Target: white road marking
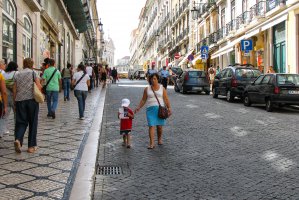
[191,106]
[238,131]
[139,86]
[212,116]
[279,162]
[242,110]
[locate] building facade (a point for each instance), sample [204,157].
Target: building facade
[225,27]
[42,28]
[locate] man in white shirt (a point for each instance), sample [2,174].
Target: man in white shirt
[89,71]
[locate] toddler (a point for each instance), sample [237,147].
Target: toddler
[126,117]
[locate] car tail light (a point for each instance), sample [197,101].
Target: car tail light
[234,82]
[186,77]
[276,90]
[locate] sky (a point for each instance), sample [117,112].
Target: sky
[120,18]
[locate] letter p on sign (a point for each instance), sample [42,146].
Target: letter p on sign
[246,45]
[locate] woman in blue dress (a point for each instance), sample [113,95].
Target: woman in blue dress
[152,108]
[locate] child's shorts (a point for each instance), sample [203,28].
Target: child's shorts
[125,132]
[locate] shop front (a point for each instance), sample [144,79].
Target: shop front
[279,44]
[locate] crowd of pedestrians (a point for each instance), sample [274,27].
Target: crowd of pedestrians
[17,93]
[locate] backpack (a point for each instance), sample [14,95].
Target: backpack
[10,82]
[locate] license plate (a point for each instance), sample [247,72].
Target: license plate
[293,91]
[197,88]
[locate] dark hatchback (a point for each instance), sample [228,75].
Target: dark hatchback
[273,89]
[192,80]
[232,81]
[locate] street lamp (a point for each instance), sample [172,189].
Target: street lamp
[194,11]
[100,26]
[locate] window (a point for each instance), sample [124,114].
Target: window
[244,6]
[27,38]
[8,31]
[233,10]
[258,80]
[223,18]
[266,80]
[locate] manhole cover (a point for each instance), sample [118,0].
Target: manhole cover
[109,170]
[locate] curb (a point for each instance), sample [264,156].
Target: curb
[83,184]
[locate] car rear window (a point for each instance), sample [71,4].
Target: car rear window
[247,73]
[288,79]
[200,74]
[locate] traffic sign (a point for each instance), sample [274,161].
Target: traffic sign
[246,45]
[204,51]
[246,53]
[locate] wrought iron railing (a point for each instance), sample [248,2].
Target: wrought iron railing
[274,3]
[213,38]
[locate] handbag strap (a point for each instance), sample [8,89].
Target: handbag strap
[51,78]
[155,95]
[79,80]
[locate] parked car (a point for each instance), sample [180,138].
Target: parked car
[139,74]
[192,80]
[273,89]
[232,81]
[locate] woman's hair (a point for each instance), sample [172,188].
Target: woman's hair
[81,67]
[68,65]
[152,76]
[28,63]
[12,66]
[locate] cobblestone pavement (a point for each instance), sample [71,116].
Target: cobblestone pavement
[49,173]
[212,150]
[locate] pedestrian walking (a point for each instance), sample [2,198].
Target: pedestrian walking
[212,74]
[114,75]
[53,79]
[26,107]
[9,75]
[270,70]
[152,109]
[67,77]
[103,76]
[81,82]
[126,116]
[3,99]
[96,73]
[89,71]
[165,77]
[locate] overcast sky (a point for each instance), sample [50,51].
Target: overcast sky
[119,18]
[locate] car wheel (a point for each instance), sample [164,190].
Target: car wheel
[215,95]
[183,90]
[207,92]
[246,100]
[269,105]
[229,96]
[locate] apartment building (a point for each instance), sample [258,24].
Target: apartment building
[42,28]
[270,26]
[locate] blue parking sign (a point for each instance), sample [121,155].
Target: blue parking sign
[246,45]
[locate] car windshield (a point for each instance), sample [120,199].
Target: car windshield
[200,74]
[247,73]
[288,79]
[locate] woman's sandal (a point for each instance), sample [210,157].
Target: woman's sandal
[151,147]
[17,146]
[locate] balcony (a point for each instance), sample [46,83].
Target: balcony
[213,37]
[275,4]
[220,34]
[258,10]
[34,5]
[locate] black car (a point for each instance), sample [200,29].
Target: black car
[192,80]
[231,81]
[273,89]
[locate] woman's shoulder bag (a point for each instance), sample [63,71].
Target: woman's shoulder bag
[163,111]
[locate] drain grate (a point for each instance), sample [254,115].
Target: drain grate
[109,170]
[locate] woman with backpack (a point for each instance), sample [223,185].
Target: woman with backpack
[9,75]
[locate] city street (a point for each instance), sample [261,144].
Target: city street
[212,150]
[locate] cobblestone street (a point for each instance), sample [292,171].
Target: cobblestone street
[49,173]
[212,150]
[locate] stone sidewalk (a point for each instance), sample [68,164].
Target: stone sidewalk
[49,173]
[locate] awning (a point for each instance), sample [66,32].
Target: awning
[75,8]
[186,56]
[228,48]
[271,23]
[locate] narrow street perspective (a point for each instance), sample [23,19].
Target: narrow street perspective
[211,150]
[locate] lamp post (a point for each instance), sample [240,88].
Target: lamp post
[195,10]
[100,26]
